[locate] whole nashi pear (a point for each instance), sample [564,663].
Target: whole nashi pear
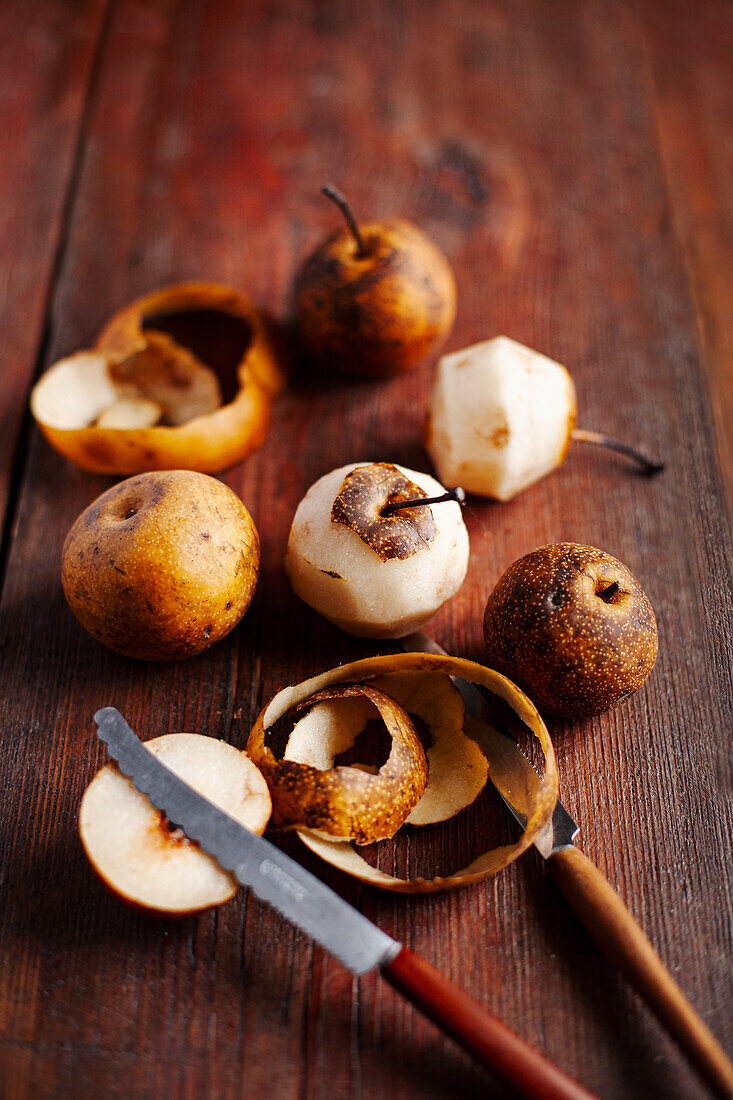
[572,626]
[162,565]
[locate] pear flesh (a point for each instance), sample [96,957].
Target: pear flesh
[150,863]
[334,570]
[500,419]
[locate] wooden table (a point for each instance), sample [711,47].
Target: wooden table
[571,160]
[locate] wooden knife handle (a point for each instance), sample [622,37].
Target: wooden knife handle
[481,1034]
[612,926]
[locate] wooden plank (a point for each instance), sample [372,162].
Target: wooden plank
[525,144]
[689,51]
[47,54]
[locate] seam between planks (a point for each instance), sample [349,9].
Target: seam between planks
[20,454]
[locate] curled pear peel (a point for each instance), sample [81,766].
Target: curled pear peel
[70,397]
[343,855]
[348,802]
[126,331]
[457,769]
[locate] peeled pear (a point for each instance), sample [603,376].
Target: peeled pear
[372,575]
[501,417]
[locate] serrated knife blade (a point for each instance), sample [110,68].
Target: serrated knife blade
[273,876]
[319,911]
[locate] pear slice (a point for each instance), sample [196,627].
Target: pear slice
[151,863]
[131,412]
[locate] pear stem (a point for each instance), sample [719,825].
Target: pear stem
[336,196]
[648,465]
[458,495]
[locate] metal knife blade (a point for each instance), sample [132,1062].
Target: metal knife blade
[332,922]
[255,862]
[510,771]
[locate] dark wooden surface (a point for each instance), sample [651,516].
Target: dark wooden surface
[574,162]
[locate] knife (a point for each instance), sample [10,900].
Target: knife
[320,912]
[591,896]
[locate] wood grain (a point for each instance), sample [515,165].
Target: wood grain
[530,141]
[609,923]
[47,57]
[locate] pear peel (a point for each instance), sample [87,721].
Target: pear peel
[343,855]
[348,802]
[457,769]
[68,399]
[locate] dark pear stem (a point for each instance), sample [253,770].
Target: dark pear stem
[458,495]
[647,465]
[335,195]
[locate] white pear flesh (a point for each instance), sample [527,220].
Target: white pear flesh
[131,412]
[344,579]
[75,391]
[133,848]
[500,418]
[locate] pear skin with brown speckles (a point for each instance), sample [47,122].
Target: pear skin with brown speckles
[573,627]
[379,314]
[162,565]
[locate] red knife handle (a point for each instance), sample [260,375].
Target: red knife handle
[616,932]
[477,1031]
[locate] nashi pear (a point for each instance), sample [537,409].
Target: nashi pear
[376,576]
[500,418]
[374,299]
[572,626]
[162,565]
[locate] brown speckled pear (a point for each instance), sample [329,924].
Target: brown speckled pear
[162,566]
[572,626]
[380,313]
